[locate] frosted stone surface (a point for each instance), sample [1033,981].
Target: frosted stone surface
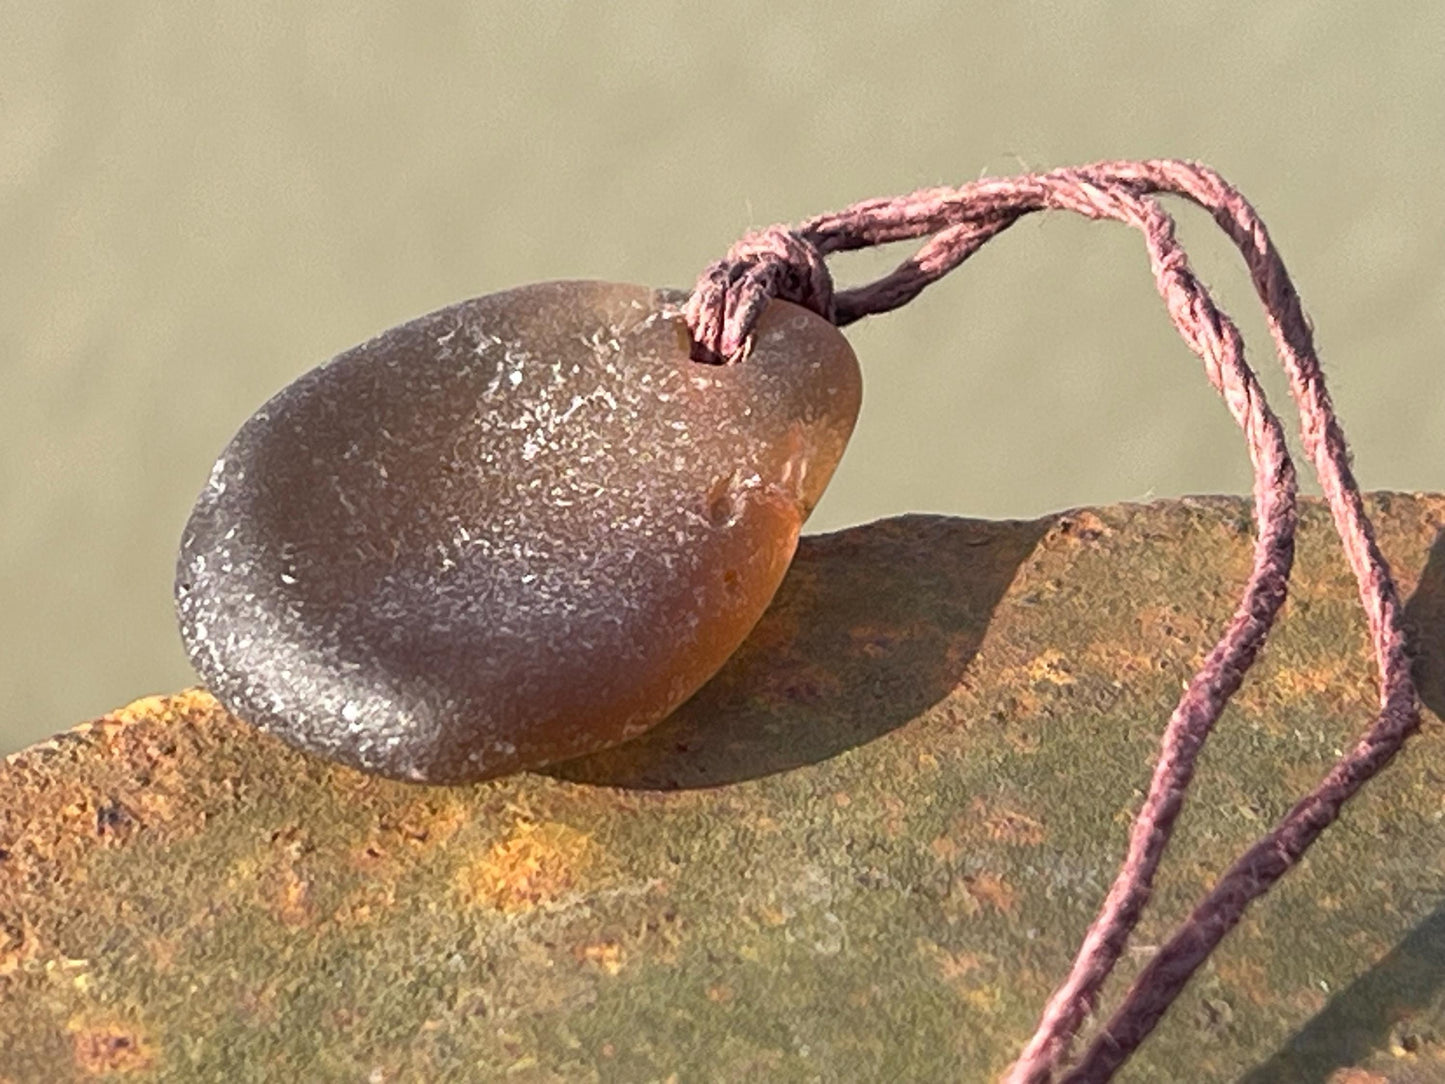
[511,532]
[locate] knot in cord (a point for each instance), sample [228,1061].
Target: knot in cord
[731,294]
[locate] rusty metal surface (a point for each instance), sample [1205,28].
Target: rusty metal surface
[865,851]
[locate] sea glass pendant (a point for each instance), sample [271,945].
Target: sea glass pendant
[520,529]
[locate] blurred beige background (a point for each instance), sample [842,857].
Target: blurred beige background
[198,202]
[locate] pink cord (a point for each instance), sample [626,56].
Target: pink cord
[789,263]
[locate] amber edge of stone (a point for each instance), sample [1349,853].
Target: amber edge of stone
[747,891]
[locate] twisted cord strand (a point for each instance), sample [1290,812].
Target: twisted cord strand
[789,263]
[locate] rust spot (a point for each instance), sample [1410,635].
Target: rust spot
[721,993]
[945,848]
[605,954]
[1247,976]
[771,915]
[996,823]
[894,809]
[1124,658]
[1046,668]
[114,821]
[1022,704]
[533,866]
[951,966]
[983,998]
[1010,826]
[18,945]
[962,972]
[110,1047]
[163,952]
[1082,526]
[367,904]
[956,904]
[1408,1041]
[153,806]
[1176,622]
[370,857]
[156,707]
[271,874]
[292,898]
[1050,667]
[428,822]
[1022,740]
[1344,680]
[993,890]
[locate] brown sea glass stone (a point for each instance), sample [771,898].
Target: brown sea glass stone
[520,529]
